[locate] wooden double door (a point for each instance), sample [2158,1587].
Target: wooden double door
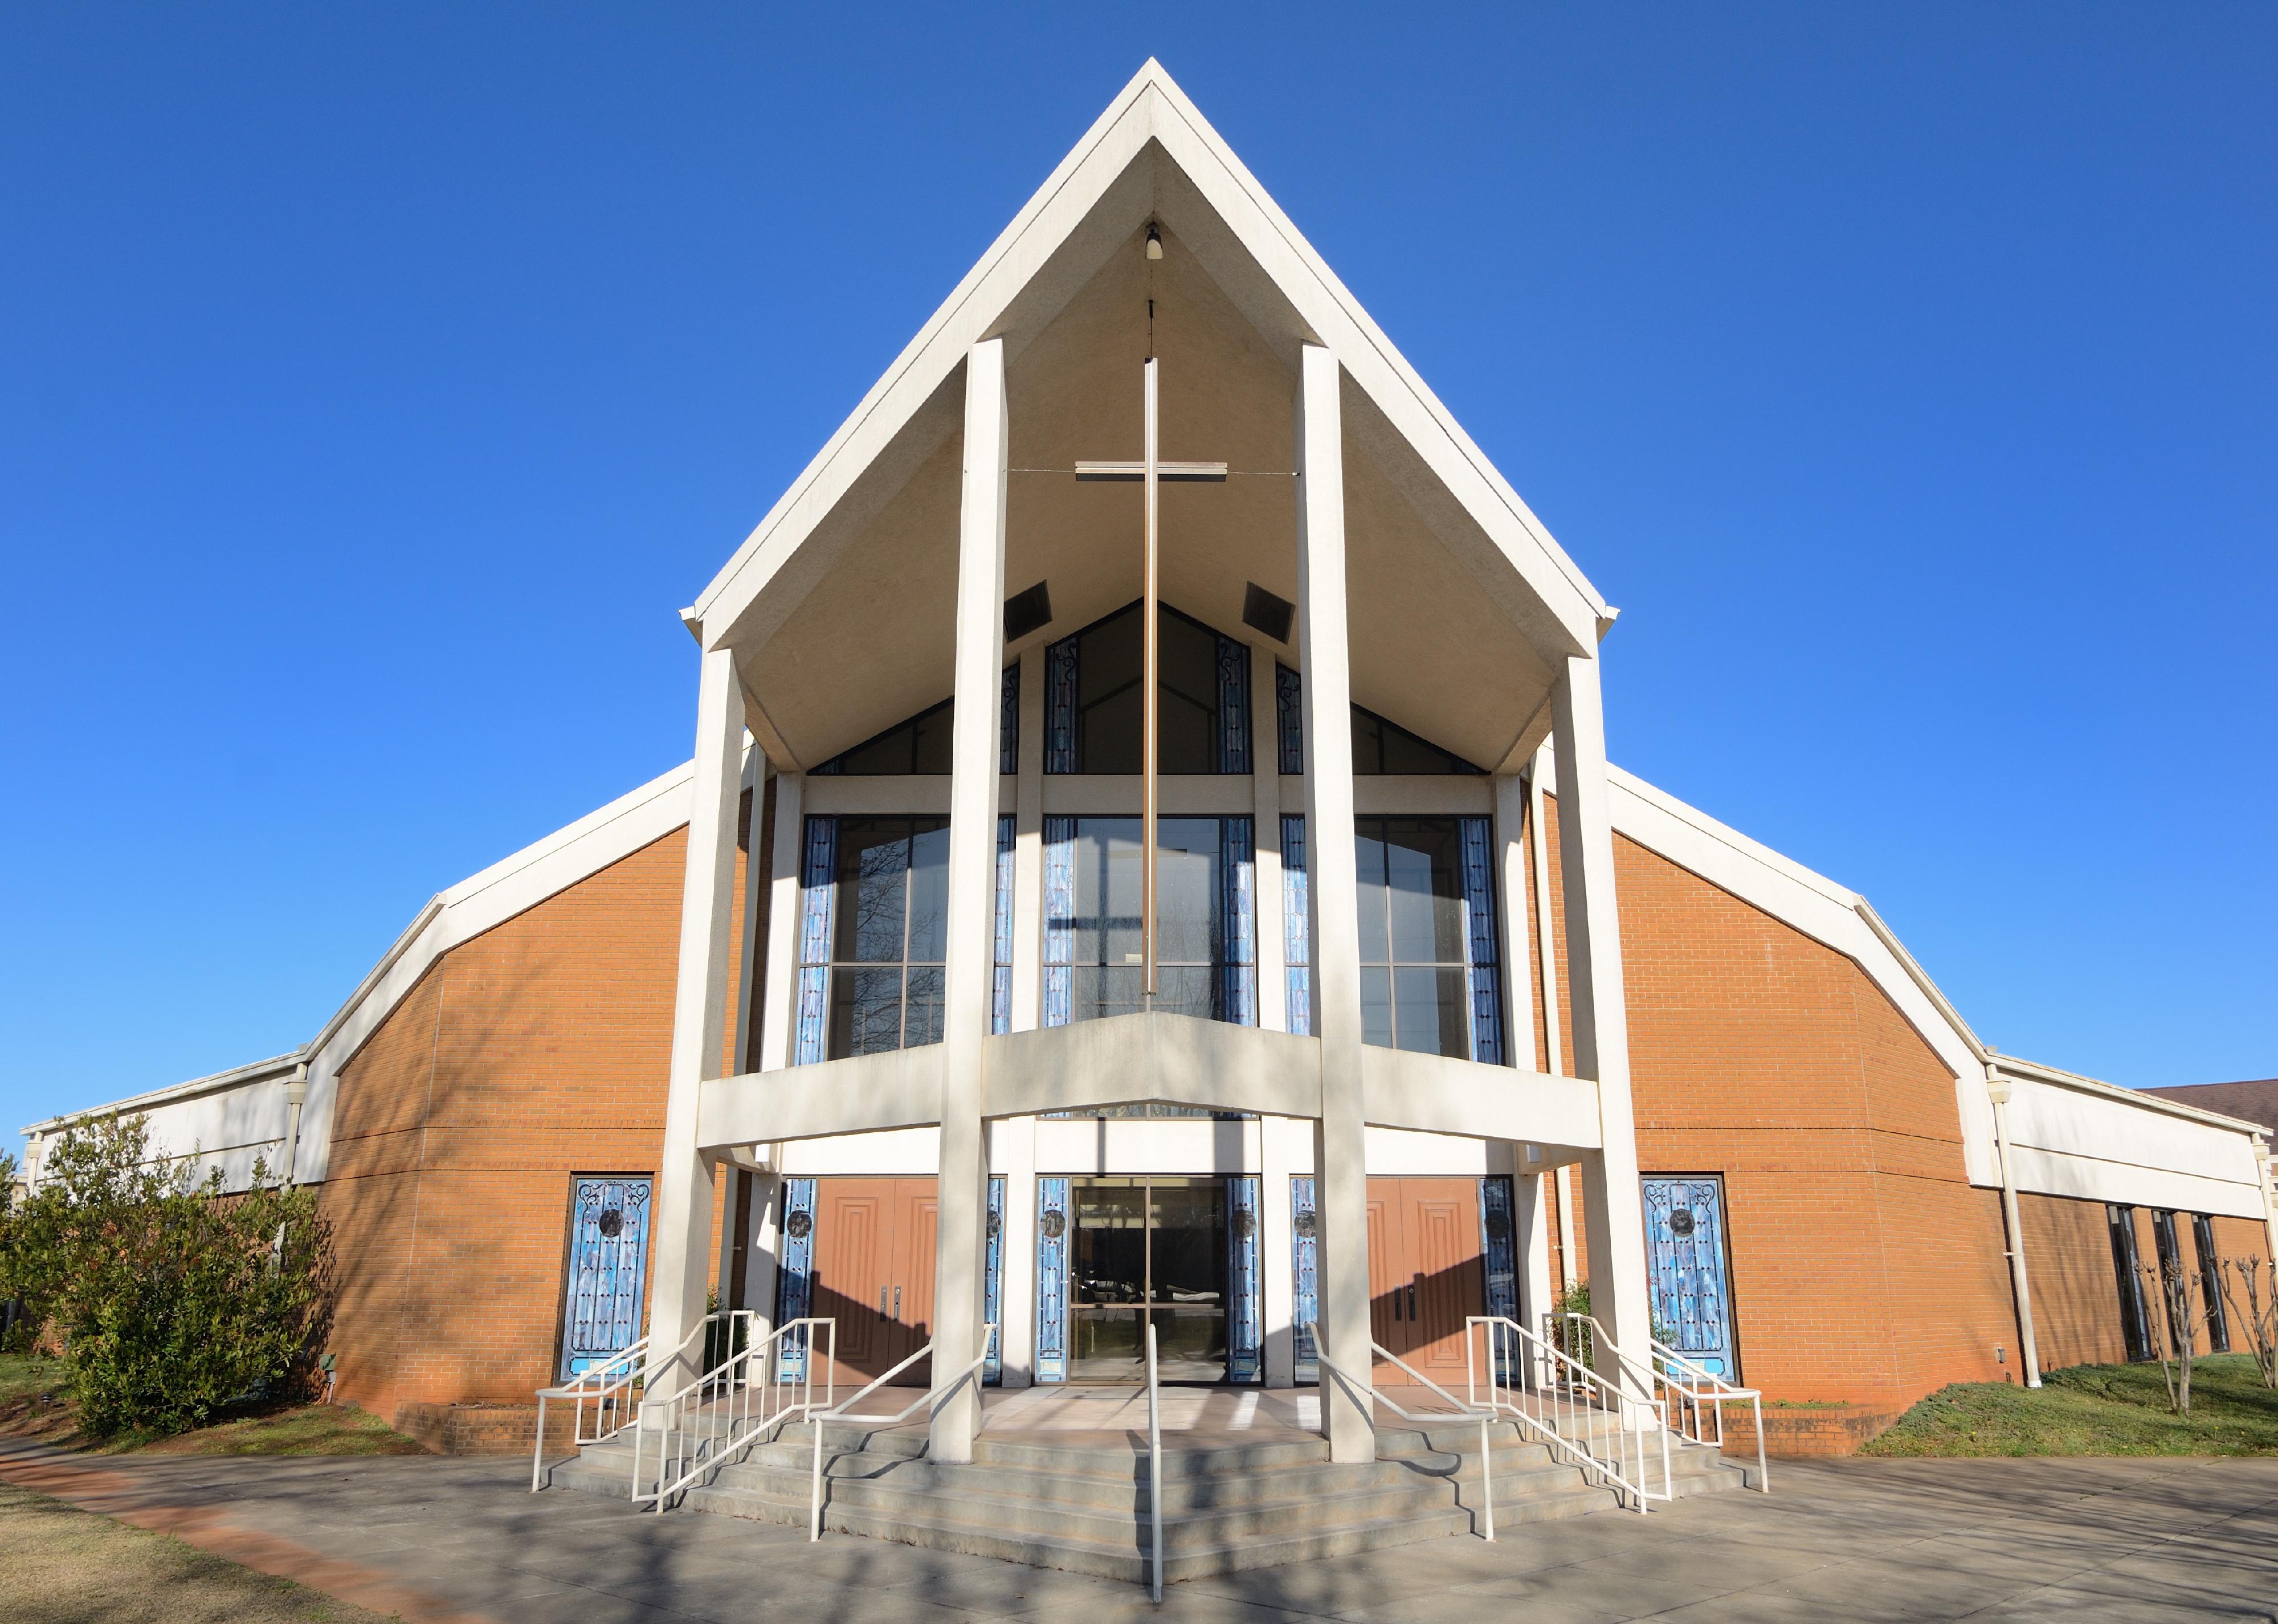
[1426,1273]
[873,1272]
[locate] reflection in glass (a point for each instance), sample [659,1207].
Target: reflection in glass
[1189,918]
[1412,944]
[890,912]
[1150,1249]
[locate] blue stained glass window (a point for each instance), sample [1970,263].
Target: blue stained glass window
[1289,712]
[1297,926]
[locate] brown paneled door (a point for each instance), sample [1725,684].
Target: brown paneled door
[874,1257]
[1426,1273]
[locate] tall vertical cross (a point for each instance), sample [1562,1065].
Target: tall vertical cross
[1151,472]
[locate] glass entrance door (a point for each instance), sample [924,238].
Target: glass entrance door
[1149,1249]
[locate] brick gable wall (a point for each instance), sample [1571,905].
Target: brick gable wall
[535,1052]
[1864,1266]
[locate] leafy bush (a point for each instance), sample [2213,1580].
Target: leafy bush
[172,1300]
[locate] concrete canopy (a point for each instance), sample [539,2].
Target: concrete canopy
[1471,603]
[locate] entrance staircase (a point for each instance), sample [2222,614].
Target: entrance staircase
[1083,1507]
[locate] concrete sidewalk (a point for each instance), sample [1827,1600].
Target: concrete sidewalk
[2089,1542]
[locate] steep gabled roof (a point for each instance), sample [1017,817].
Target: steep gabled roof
[1152,154]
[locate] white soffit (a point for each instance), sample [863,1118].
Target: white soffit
[1100,193]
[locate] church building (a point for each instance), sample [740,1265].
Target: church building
[1151,861]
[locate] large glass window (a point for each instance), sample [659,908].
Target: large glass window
[1413,934]
[888,934]
[1096,690]
[1105,950]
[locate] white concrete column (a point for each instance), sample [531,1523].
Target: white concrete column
[1266,813]
[1014,1158]
[1546,940]
[1553,1058]
[2269,1169]
[1570,1274]
[961,1236]
[766,1231]
[1613,1205]
[751,970]
[779,1010]
[1014,1138]
[684,1193]
[1531,1194]
[1510,885]
[1280,1141]
[1029,852]
[1331,888]
[733,1218]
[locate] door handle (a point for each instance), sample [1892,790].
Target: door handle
[1412,1301]
[898,1302]
[881,1302]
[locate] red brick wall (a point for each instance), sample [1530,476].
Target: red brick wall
[1864,1266]
[533,1053]
[2075,1288]
[2236,1239]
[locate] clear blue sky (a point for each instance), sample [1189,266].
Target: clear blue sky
[376,383]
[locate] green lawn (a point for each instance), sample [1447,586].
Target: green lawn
[2095,1410]
[59,1565]
[35,1405]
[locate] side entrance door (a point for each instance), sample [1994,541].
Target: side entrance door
[873,1273]
[1428,1273]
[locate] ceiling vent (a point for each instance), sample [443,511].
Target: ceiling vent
[1026,611]
[1262,611]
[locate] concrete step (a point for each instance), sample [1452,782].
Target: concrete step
[1119,1494]
[1226,1506]
[1027,1507]
[1121,1557]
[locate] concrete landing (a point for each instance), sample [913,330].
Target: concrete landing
[1907,1542]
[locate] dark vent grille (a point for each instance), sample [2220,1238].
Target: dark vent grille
[1262,611]
[1026,611]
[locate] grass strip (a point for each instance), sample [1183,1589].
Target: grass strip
[2093,1410]
[64,1566]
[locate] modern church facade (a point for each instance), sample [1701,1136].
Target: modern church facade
[884,1009]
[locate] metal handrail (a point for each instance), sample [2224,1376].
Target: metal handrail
[725,1411]
[1594,1422]
[1154,1469]
[1702,1386]
[608,1386]
[935,1396]
[1484,1417]
[1698,1387]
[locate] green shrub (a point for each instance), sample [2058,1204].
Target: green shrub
[172,1300]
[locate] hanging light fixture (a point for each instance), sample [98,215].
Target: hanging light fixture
[1154,240]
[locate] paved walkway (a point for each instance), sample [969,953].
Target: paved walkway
[2084,1542]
